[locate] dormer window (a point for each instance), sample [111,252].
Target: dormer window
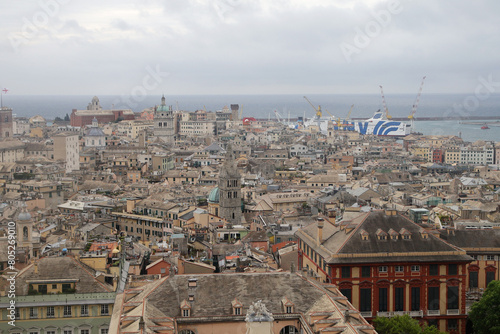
[406,235]
[288,306]
[424,234]
[364,235]
[237,307]
[394,235]
[381,235]
[185,308]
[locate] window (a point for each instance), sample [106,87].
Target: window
[66,287]
[237,310]
[490,276]
[50,311]
[415,268]
[399,294]
[473,279]
[399,269]
[289,309]
[452,324]
[84,331]
[382,269]
[365,271]
[433,298]
[490,257]
[346,272]
[54,286]
[347,293]
[50,332]
[42,288]
[365,299]
[104,330]
[33,313]
[452,269]
[185,313]
[415,298]
[67,311]
[104,309]
[382,299]
[452,299]
[68,331]
[433,269]
[84,311]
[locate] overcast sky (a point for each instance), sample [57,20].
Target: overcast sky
[247,46]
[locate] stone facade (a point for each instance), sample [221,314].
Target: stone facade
[230,190]
[164,127]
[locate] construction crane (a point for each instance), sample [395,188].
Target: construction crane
[241,112]
[415,105]
[349,113]
[278,116]
[385,105]
[318,110]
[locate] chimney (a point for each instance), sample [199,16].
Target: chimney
[36,268]
[320,232]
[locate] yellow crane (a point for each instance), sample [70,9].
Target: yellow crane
[349,113]
[318,110]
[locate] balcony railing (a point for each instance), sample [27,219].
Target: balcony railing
[400,313]
[366,314]
[433,312]
[453,312]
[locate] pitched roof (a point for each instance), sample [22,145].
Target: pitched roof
[59,268]
[342,241]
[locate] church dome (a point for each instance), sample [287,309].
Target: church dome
[24,216]
[95,132]
[213,197]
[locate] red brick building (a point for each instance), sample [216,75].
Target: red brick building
[438,156]
[386,265]
[94,110]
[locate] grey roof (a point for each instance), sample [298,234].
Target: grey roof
[60,268]
[345,238]
[214,293]
[95,132]
[489,238]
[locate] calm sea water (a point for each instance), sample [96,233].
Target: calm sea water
[263,106]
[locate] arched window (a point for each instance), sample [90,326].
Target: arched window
[289,330]
[25,233]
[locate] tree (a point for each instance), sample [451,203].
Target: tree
[402,324]
[66,118]
[485,314]
[58,119]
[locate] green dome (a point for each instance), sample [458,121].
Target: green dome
[213,197]
[162,108]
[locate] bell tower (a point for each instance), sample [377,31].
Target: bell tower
[230,189]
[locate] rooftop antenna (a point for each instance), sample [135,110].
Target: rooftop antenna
[4,91]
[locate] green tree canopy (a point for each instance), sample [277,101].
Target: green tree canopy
[402,324]
[485,314]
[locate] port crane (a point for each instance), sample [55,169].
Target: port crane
[318,109]
[349,113]
[278,116]
[415,105]
[385,104]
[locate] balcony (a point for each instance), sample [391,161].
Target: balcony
[413,314]
[453,312]
[416,313]
[366,314]
[383,314]
[433,312]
